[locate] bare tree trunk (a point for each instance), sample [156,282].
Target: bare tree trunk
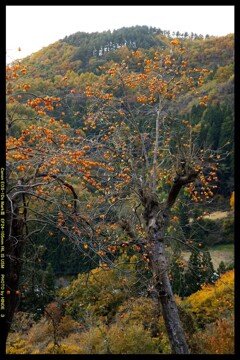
[155,219]
[164,295]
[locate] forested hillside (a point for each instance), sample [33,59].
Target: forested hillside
[120,145]
[64,68]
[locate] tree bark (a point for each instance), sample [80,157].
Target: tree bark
[155,220]
[164,295]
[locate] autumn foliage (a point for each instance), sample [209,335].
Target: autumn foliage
[108,185]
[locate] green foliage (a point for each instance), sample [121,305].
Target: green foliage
[178,276]
[228,230]
[211,232]
[188,278]
[193,276]
[221,268]
[207,268]
[49,278]
[38,287]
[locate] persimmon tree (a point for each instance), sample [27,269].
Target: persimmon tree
[111,185]
[45,159]
[133,126]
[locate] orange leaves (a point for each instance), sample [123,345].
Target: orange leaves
[142,99]
[184,63]
[170,96]
[25,87]
[42,105]
[175,42]
[168,62]
[174,219]
[101,253]
[18,157]
[89,93]
[111,71]
[232,200]
[21,168]
[125,176]
[40,112]
[24,70]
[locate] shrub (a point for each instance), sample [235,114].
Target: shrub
[212,300]
[17,345]
[62,349]
[40,335]
[131,339]
[218,338]
[22,322]
[67,326]
[141,311]
[94,340]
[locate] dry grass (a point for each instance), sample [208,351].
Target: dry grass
[217,215]
[218,253]
[223,253]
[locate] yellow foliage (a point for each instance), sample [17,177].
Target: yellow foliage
[131,339]
[140,311]
[213,300]
[18,346]
[232,200]
[92,341]
[62,349]
[35,352]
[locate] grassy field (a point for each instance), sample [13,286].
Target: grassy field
[224,252]
[218,215]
